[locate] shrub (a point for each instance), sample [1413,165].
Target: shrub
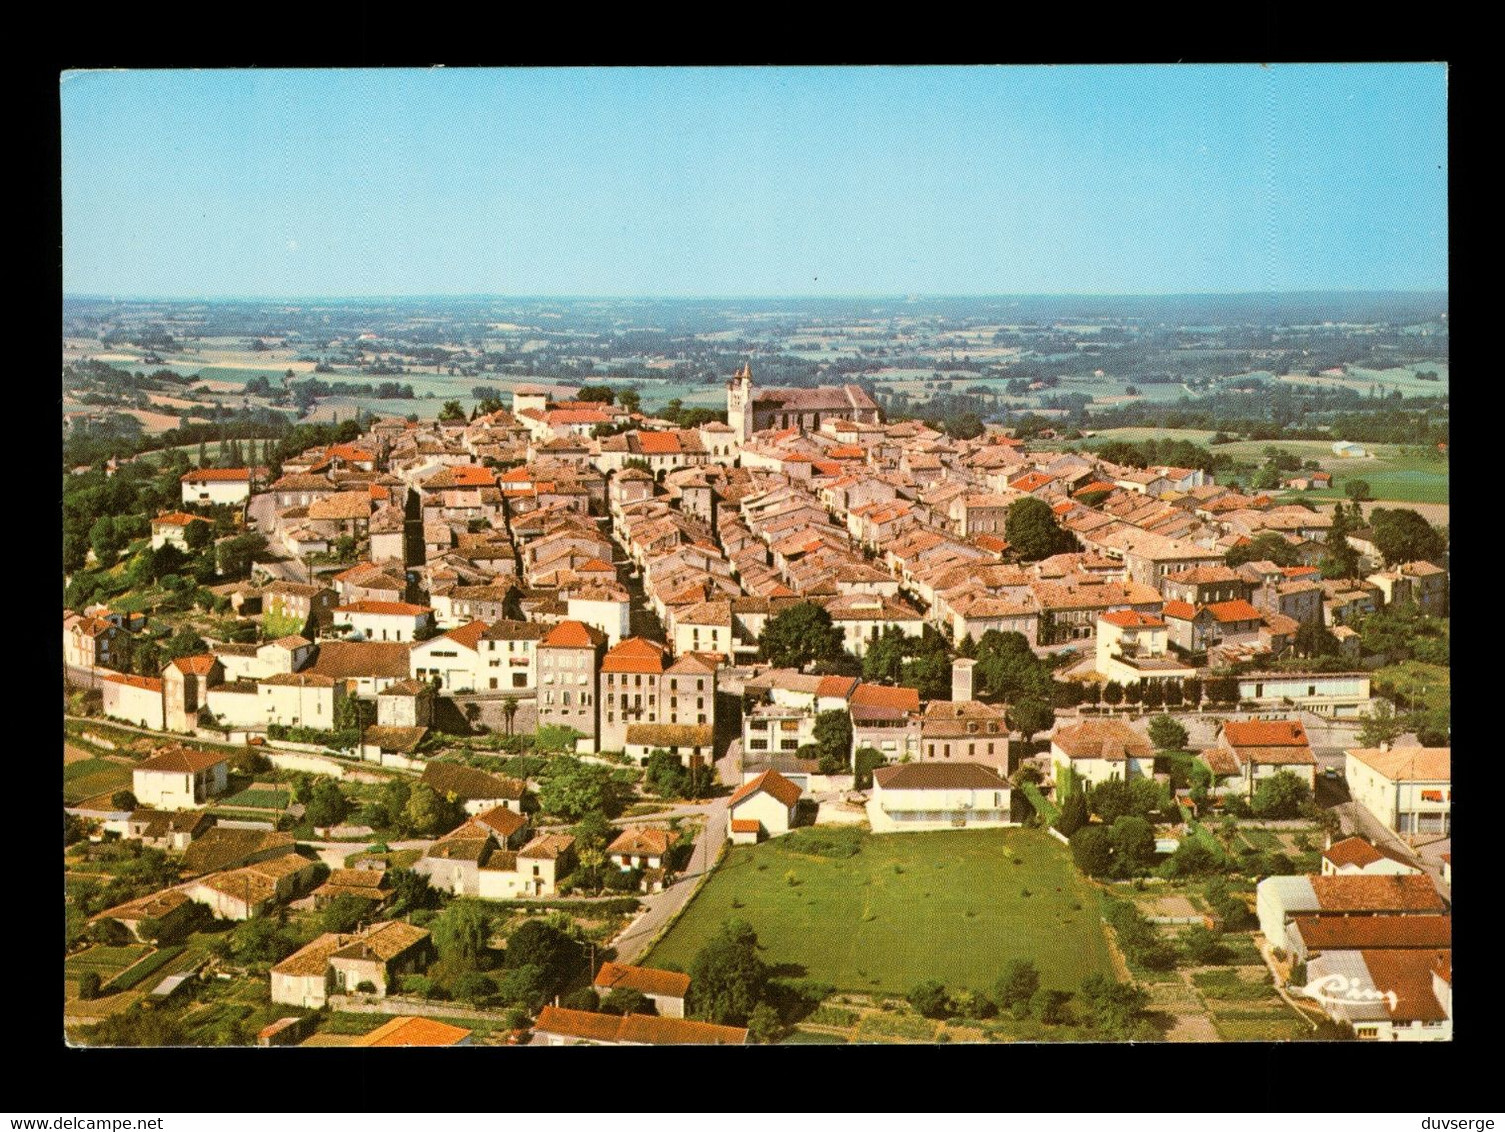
[88,985]
[930,999]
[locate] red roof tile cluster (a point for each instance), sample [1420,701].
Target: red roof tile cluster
[1259,733]
[635,655]
[770,782]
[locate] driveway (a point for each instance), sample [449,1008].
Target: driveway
[662,906]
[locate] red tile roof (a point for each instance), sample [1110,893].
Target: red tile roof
[1402,893]
[1354,933]
[878,695]
[659,443]
[1257,733]
[406,1030]
[1233,611]
[635,655]
[218,475]
[181,760]
[384,608]
[1353,851]
[770,782]
[1132,619]
[746,825]
[195,665]
[1180,610]
[574,635]
[648,980]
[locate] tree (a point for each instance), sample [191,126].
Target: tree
[1204,946]
[462,932]
[803,633]
[884,659]
[727,977]
[327,805]
[930,999]
[868,760]
[833,737]
[1266,546]
[1357,490]
[536,943]
[1112,1007]
[1113,693]
[1315,639]
[1281,795]
[344,913]
[1048,1006]
[666,775]
[630,400]
[236,554]
[1134,693]
[625,1000]
[123,800]
[1167,734]
[474,987]
[763,1024]
[451,412]
[1191,690]
[411,891]
[88,985]
[1073,814]
[1381,725]
[1030,717]
[428,812]
[1092,850]
[509,711]
[601,394]
[964,426]
[1401,535]
[1133,841]
[573,788]
[1032,531]
[1018,983]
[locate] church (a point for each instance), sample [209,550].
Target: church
[750,409]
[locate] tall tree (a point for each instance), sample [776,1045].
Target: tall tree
[801,634]
[1033,533]
[727,977]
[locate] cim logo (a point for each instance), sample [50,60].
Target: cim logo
[1340,990]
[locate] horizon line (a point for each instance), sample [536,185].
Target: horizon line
[867,297]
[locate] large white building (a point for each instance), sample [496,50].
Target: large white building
[217,486]
[910,797]
[1409,789]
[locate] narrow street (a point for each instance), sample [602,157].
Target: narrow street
[661,907]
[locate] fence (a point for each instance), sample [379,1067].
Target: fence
[400,1004]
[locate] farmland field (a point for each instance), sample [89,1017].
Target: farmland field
[258,799]
[93,776]
[954,905]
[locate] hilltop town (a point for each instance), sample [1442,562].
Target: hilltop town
[564,722]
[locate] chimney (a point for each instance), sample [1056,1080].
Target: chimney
[961,679]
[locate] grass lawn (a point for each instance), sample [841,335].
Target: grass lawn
[94,776]
[907,907]
[106,962]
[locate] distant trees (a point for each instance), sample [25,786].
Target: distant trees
[452,412]
[1264,547]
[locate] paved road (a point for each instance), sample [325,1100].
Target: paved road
[662,906]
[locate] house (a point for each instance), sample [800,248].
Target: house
[222,848]
[1279,899]
[1096,751]
[168,908]
[1312,935]
[185,690]
[135,699]
[295,601]
[691,743]
[479,657]
[215,486]
[173,830]
[405,1031]
[180,779]
[912,797]
[1133,648]
[1408,789]
[476,789]
[965,731]
[90,642]
[764,807]
[665,989]
[365,667]
[338,963]
[888,720]
[251,890]
[640,848]
[386,620]
[568,661]
[1354,855]
[1260,749]
[1390,995]
[365,884]
[172,527]
[557,1026]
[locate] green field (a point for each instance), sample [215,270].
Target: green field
[93,776]
[948,905]
[106,962]
[254,799]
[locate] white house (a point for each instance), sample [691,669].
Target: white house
[180,779]
[217,486]
[764,807]
[386,620]
[135,699]
[1354,856]
[911,797]
[665,989]
[1408,789]
[1386,995]
[1098,750]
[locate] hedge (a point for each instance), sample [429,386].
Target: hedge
[1047,810]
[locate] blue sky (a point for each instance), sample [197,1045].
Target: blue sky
[755,181]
